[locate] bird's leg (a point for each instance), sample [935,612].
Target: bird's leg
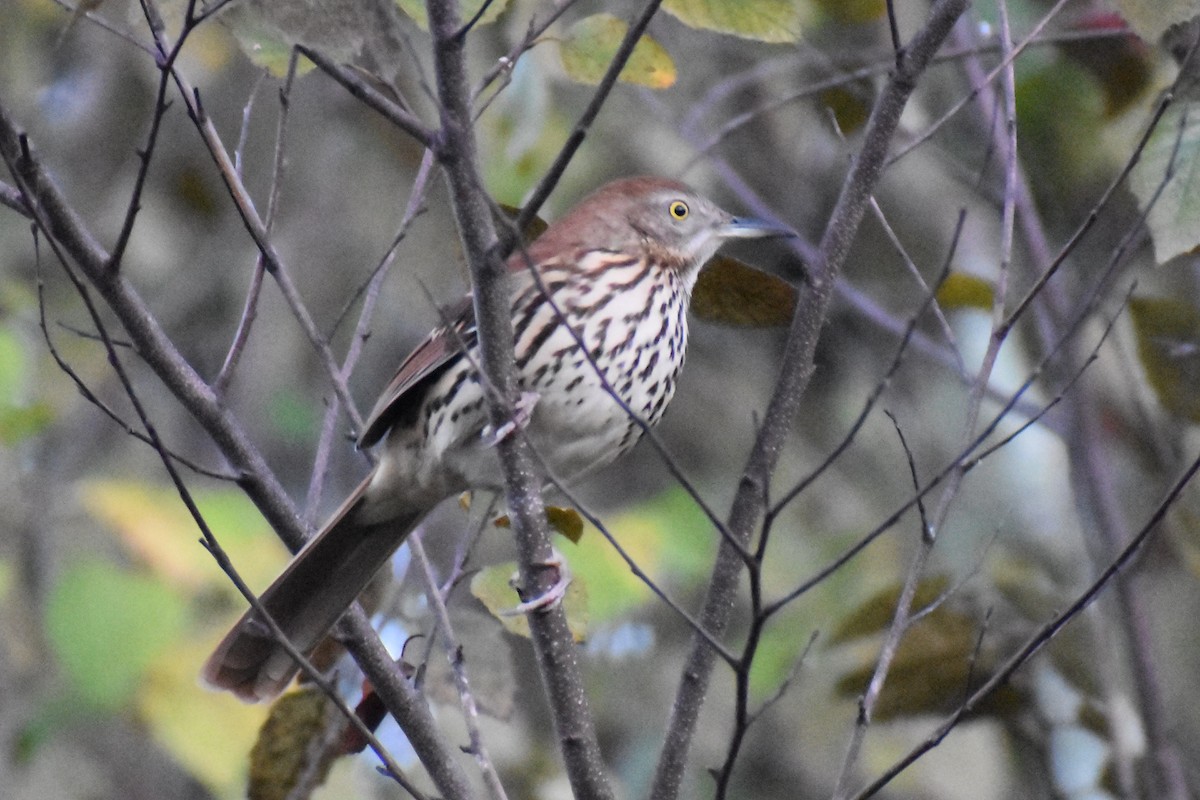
[522,411]
[552,596]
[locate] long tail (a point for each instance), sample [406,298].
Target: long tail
[306,600]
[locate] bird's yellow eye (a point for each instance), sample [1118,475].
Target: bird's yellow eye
[679,209]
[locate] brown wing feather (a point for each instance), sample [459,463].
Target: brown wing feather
[421,368]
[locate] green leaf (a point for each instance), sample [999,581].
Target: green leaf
[293,746]
[18,422]
[19,418]
[591,43]
[877,611]
[1055,101]
[14,367]
[668,537]
[1172,220]
[935,666]
[467,9]
[764,20]
[292,415]
[106,626]
[961,290]
[938,660]
[1168,342]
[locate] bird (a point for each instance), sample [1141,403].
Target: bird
[599,315]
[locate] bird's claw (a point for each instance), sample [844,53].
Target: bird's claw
[522,411]
[552,596]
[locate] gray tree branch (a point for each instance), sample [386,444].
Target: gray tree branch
[553,645]
[796,370]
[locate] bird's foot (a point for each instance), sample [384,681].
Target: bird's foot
[552,596]
[522,411]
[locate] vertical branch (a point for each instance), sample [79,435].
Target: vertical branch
[454,654]
[250,307]
[796,370]
[553,645]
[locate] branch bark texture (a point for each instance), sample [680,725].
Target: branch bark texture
[795,373]
[553,644]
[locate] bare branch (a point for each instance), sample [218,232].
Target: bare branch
[550,179]
[458,667]
[553,644]
[796,371]
[1042,637]
[62,225]
[358,86]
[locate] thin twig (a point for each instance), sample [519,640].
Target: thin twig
[241,335]
[458,667]
[209,540]
[60,223]
[1041,637]
[374,99]
[797,368]
[104,408]
[256,227]
[552,175]
[901,620]
[1004,64]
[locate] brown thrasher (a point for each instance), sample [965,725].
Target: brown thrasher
[618,269]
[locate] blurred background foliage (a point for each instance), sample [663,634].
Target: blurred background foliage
[109,604]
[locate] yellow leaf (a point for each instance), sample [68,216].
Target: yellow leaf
[565,521]
[961,290]
[1168,340]
[492,586]
[592,42]
[157,530]
[764,20]
[536,226]
[734,293]
[210,734]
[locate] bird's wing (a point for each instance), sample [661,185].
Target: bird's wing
[423,365]
[430,358]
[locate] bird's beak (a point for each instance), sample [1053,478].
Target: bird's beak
[750,228]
